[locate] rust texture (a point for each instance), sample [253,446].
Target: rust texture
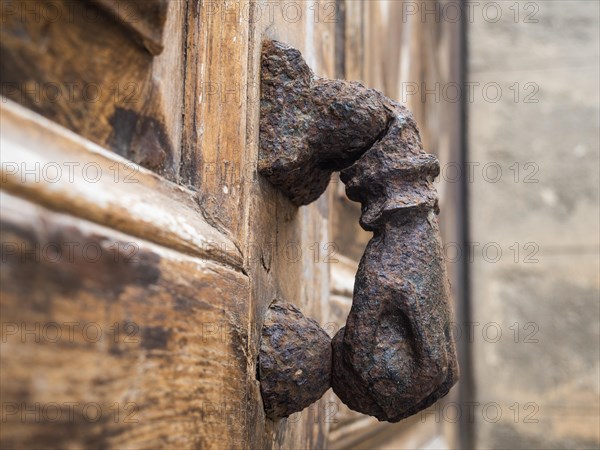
[396,355]
[311,126]
[294,361]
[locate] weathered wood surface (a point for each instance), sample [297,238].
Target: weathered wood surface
[280,244]
[145,18]
[201,91]
[51,165]
[214,159]
[303,276]
[294,260]
[118,343]
[86,67]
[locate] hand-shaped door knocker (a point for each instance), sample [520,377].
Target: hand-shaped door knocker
[396,355]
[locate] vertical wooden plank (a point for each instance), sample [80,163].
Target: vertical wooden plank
[215,110]
[284,244]
[375,35]
[168,70]
[354,46]
[87,68]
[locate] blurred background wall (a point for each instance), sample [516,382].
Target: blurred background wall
[533,149]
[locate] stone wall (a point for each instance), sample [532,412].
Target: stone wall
[534,220]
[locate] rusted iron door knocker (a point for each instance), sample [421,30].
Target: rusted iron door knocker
[395,356]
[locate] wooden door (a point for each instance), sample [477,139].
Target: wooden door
[140,249]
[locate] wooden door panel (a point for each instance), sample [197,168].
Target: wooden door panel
[292,263]
[247,216]
[146,19]
[219,244]
[215,157]
[118,342]
[47,163]
[101,70]
[181,376]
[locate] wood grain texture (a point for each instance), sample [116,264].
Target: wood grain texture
[145,18]
[84,67]
[201,93]
[114,348]
[214,160]
[285,245]
[53,166]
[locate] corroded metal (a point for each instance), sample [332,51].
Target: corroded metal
[294,362]
[311,126]
[396,355]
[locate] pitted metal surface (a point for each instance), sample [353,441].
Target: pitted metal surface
[396,355]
